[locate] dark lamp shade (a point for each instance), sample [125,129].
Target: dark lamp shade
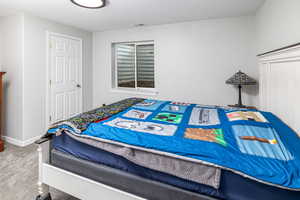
[241,78]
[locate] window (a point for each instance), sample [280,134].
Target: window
[133,65]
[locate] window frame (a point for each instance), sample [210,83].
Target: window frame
[141,90]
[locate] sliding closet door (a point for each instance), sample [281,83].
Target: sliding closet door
[264,85]
[284,93]
[280,88]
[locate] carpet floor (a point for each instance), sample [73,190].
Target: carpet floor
[19,174]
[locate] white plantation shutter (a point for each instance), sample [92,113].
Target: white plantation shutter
[145,65]
[125,60]
[134,65]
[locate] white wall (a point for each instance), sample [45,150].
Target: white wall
[192,60]
[34,82]
[23,47]
[12,63]
[278,24]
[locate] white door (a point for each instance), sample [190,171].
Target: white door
[65,78]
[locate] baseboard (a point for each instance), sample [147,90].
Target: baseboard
[13,141]
[20,143]
[31,140]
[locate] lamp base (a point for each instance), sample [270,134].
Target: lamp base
[238,106]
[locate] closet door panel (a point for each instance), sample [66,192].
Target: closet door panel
[284,82]
[263,86]
[296,85]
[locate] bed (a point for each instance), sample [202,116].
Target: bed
[161,150]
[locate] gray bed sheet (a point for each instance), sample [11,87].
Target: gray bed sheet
[121,180]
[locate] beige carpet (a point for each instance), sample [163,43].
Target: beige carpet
[19,174]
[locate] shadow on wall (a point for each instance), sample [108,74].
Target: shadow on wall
[247,92]
[252,90]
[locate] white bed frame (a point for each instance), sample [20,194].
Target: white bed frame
[272,65]
[70,183]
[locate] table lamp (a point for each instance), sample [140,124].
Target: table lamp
[239,79]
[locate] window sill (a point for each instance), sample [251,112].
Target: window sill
[135,91]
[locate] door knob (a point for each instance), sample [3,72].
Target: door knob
[78,85]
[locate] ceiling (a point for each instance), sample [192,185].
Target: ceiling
[127,13]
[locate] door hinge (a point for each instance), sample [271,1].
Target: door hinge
[50,118]
[50,82]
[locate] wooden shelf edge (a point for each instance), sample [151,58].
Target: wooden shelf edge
[1,145]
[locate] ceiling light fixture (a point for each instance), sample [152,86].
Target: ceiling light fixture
[139,25]
[92,4]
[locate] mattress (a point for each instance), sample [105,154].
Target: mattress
[148,189]
[90,162]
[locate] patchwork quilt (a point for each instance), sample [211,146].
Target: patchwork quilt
[251,143]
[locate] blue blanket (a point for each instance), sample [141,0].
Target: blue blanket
[252,143]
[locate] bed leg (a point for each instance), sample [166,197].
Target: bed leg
[45,197]
[43,155]
[43,189]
